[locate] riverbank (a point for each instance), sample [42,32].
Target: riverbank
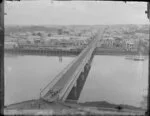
[109,51]
[74,52]
[40,52]
[38,107]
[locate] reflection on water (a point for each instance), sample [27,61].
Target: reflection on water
[114,79]
[111,78]
[26,75]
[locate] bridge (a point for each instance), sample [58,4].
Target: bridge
[67,85]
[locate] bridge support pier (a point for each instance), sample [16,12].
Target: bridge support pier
[76,90]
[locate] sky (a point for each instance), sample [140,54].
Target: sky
[45,12]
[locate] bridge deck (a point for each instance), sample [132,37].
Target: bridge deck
[69,73]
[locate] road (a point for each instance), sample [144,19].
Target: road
[69,73]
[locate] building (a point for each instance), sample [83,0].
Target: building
[106,42]
[109,42]
[10,45]
[65,43]
[117,42]
[130,46]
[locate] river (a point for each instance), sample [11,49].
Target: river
[111,78]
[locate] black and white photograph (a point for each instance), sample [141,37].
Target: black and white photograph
[76,57]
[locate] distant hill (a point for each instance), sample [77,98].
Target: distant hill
[132,28]
[14,29]
[138,29]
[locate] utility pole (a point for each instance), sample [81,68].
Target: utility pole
[2,56]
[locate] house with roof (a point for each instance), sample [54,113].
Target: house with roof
[117,42]
[10,45]
[130,46]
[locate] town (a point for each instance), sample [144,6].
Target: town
[117,39]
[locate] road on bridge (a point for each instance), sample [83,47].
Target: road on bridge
[60,84]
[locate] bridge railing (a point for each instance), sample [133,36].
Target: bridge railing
[49,86]
[53,82]
[64,93]
[70,84]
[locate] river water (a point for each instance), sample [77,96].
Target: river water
[111,78]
